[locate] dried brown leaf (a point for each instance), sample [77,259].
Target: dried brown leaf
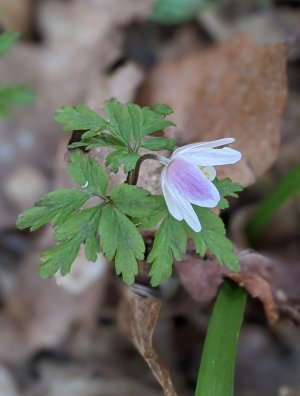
[258,287]
[235,89]
[264,278]
[138,318]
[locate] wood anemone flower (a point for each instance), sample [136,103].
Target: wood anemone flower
[187,178]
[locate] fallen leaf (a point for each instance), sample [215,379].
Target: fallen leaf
[258,287]
[263,277]
[237,89]
[138,317]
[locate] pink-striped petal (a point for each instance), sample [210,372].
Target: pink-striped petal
[186,180]
[211,144]
[171,204]
[179,207]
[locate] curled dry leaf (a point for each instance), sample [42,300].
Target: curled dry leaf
[258,287]
[138,316]
[237,89]
[264,278]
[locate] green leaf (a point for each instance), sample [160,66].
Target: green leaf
[84,223]
[13,96]
[117,158]
[135,201]
[148,222]
[137,119]
[159,143]
[170,241]
[120,240]
[227,188]
[55,206]
[177,11]
[88,173]
[103,140]
[120,120]
[268,207]
[153,122]
[7,39]
[80,118]
[216,374]
[213,235]
[61,257]
[162,109]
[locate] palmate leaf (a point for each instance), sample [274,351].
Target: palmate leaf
[120,240]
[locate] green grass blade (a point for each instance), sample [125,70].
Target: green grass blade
[216,374]
[268,207]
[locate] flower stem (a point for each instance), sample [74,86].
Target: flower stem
[216,374]
[133,176]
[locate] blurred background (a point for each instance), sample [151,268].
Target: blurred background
[63,337]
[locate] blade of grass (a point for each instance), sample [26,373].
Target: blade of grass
[267,208]
[216,374]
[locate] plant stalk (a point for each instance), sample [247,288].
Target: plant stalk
[216,374]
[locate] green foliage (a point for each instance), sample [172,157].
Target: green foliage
[159,143]
[88,174]
[117,158]
[170,241]
[213,237]
[7,40]
[60,258]
[177,11]
[113,225]
[136,202]
[227,188]
[55,206]
[268,207]
[13,96]
[80,118]
[121,241]
[124,129]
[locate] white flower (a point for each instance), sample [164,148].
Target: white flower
[187,178]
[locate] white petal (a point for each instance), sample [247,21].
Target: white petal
[211,144]
[212,157]
[209,172]
[187,212]
[171,203]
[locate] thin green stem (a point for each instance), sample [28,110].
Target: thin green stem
[216,374]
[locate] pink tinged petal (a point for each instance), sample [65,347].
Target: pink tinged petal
[187,211]
[198,145]
[186,180]
[179,207]
[212,157]
[171,204]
